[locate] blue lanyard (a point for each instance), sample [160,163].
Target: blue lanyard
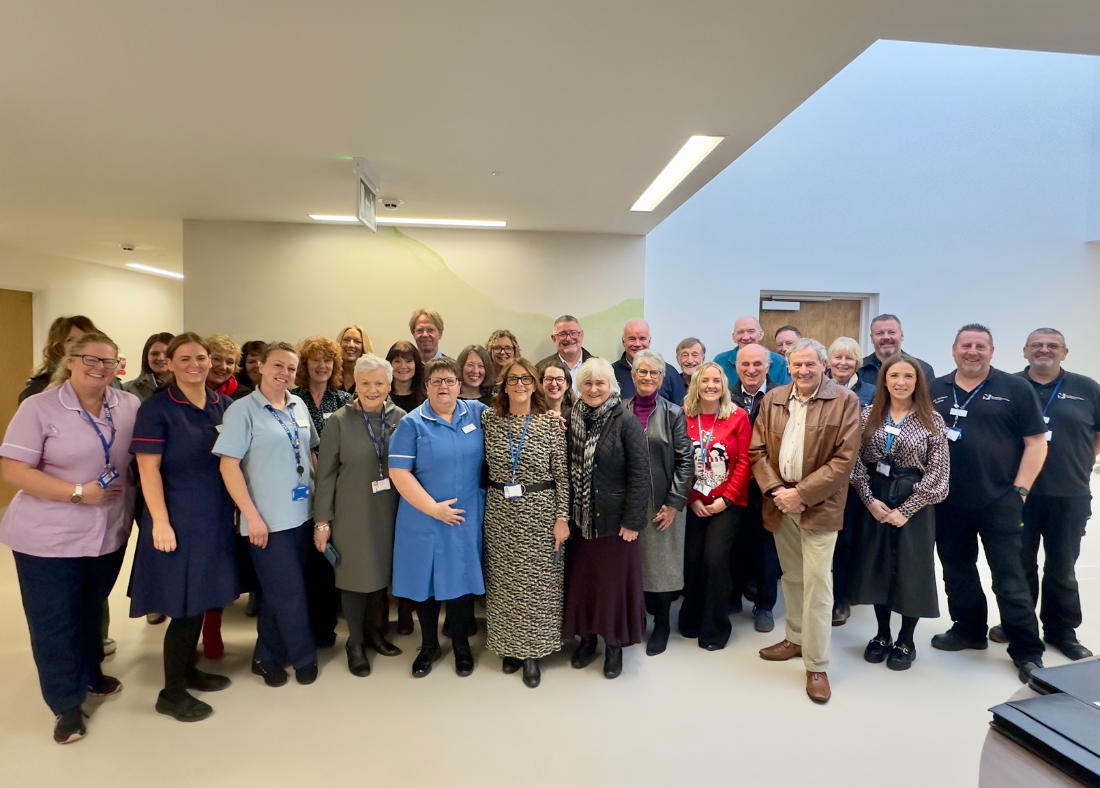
[106,444]
[955,397]
[1053,395]
[705,446]
[890,423]
[513,452]
[379,445]
[295,442]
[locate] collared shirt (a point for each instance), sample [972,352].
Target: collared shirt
[749,400]
[868,373]
[777,369]
[50,433]
[573,370]
[331,401]
[1072,405]
[250,433]
[793,444]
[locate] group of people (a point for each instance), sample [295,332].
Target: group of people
[573,497]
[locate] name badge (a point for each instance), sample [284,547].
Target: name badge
[702,488]
[380,485]
[469,428]
[107,477]
[1046,419]
[960,412]
[218,427]
[513,491]
[326,416]
[303,422]
[1050,434]
[954,434]
[892,430]
[300,493]
[883,468]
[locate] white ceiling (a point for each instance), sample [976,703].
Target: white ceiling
[120,119]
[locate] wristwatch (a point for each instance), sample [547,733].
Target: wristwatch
[1023,491]
[78,494]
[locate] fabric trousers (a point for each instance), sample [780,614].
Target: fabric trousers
[1060,523]
[63,600]
[322,596]
[999,525]
[704,613]
[842,553]
[807,561]
[283,632]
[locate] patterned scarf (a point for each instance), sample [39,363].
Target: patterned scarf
[586,425]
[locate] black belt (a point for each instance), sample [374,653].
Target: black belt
[527,488]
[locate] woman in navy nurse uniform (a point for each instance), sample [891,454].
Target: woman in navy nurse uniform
[186,559]
[436,456]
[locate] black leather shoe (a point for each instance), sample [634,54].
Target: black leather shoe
[325,639]
[712,646]
[358,664]
[274,675]
[1027,666]
[306,675]
[422,665]
[877,650]
[901,656]
[997,634]
[584,653]
[464,661]
[383,646]
[953,641]
[511,664]
[612,661]
[107,685]
[252,608]
[658,641]
[841,614]
[1070,646]
[69,727]
[532,675]
[206,682]
[189,709]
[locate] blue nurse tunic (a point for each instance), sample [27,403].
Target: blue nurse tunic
[431,558]
[201,573]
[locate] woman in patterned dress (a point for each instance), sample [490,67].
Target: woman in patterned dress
[526,523]
[904,467]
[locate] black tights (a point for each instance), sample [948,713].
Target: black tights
[180,641]
[460,614]
[908,624]
[361,612]
[657,604]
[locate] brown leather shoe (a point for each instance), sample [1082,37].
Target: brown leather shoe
[817,687]
[781,652]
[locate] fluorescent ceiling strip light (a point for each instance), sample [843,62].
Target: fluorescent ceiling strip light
[697,148]
[150,270]
[321,217]
[442,222]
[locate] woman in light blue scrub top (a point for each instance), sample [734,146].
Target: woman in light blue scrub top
[436,456]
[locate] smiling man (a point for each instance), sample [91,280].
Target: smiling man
[636,338]
[747,331]
[690,353]
[568,338]
[426,326]
[886,336]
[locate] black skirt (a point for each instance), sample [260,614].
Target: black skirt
[895,566]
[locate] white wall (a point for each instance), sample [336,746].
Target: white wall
[129,306]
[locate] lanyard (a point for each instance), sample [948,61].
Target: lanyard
[379,444]
[106,444]
[955,397]
[295,442]
[512,450]
[890,423]
[704,445]
[1053,395]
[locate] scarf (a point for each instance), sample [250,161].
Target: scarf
[228,387]
[586,424]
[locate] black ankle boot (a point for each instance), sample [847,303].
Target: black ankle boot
[383,646]
[612,661]
[658,641]
[531,673]
[358,663]
[585,653]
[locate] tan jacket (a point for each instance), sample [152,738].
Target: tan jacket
[830,453]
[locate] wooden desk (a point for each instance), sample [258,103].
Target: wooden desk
[1006,764]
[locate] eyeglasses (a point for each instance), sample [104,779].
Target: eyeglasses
[505,350]
[512,380]
[567,334]
[559,380]
[91,361]
[1047,345]
[439,383]
[649,373]
[426,331]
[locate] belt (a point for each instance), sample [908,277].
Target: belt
[527,488]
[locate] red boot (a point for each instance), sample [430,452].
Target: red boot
[212,646]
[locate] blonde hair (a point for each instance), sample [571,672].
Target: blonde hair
[431,314]
[63,373]
[845,343]
[692,405]
[223,343]
[367,346]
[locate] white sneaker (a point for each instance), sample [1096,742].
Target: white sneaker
[109,646]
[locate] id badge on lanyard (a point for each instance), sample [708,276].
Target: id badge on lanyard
[110,473]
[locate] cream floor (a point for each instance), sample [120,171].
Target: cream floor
[685,717]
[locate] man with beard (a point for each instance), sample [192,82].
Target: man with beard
[886,336]
[997,439]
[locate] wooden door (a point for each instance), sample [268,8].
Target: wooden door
[820,320]
[17,328]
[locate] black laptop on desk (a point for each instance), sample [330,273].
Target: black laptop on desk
[1079,679]
[1063,731]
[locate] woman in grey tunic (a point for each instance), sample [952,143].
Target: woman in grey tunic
[670,474]
[526,523]
[356,505]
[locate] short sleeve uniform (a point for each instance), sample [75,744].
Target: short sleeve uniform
[201,573]
[50,432]
[987,454]
[431,558]
[1071,405]
[261,437]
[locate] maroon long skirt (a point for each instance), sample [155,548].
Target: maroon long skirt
[603,590]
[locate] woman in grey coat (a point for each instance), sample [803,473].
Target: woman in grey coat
[670,474]
[356,505]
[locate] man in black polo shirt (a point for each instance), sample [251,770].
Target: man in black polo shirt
[997,440]
[886,336]
[1060,502]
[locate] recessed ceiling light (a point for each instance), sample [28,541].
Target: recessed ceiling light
[150,270]
[697,148]
[321,217]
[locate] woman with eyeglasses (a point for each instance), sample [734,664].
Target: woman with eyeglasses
[436,456]
[526,523]
[557,385]
[503,348]
[67,449]
[353,342]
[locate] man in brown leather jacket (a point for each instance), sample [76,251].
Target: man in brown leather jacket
[804,444]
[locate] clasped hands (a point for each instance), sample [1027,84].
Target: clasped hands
[884,514]
[788,501]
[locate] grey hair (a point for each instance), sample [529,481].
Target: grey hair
[652,356]
[848,344]
[369,361]
[602,367]
[806,342]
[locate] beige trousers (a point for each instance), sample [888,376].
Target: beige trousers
[807,561]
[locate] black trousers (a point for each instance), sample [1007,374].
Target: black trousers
[321,595]
[282,631]
[753,557]
[1000,529]
[63,599]
[704,613]
[1060,523]
[842,554]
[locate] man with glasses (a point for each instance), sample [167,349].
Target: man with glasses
[636,338]
[747,331]
[568,337]
[426,326]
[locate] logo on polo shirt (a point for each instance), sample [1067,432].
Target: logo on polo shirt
[1063,395]
[938,400]
[995,398]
